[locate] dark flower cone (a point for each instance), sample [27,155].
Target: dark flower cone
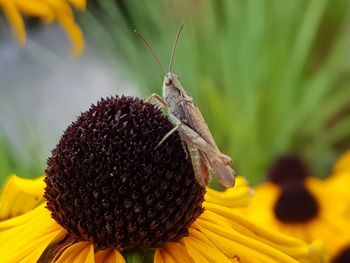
[107,183]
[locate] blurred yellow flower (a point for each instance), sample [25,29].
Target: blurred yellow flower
[48,11]
[301,206]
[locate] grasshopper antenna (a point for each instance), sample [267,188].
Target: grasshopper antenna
[150,49]
[174,46]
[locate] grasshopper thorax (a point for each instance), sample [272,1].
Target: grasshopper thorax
[173,93]
[171,89]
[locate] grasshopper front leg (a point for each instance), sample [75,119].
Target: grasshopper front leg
[168,135]
[187,134]
[158,100]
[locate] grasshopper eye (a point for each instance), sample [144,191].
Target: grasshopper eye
[168,81]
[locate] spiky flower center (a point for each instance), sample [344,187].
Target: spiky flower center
[108,183]
[296,204]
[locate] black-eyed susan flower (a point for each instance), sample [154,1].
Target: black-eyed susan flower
[299,205]
[48,11]
[111,196]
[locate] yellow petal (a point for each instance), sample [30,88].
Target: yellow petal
[338,185]
[20,195]
[15,19]
[79,4]
[81,252]
[109,256]
[167,258]
[238,196]
[261,231]
[74,33]
[48,11]
[175,250]
[237,251]
[27,240]
[37,252]
[195,254]
[36,8]
[289,245]
[315,248]
[229,241]
[208,249]
[65,18]
[158,257]
[343,164]
[214,217]
[18,220]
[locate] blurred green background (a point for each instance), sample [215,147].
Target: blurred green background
[270,77]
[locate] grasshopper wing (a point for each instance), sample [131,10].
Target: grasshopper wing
[194,118]
[216,163]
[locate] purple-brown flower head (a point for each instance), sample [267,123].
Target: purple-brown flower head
[107,182]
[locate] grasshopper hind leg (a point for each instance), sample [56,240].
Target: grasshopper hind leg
[200,169]
[224,173]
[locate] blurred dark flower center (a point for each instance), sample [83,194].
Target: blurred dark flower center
[343,257]
[287,167]
[296,204]
[106,182]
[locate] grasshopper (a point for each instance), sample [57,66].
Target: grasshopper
[187,119]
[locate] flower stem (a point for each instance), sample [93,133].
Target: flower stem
[139,256]
[134,256]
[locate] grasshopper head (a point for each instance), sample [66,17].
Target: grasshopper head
[171,81]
